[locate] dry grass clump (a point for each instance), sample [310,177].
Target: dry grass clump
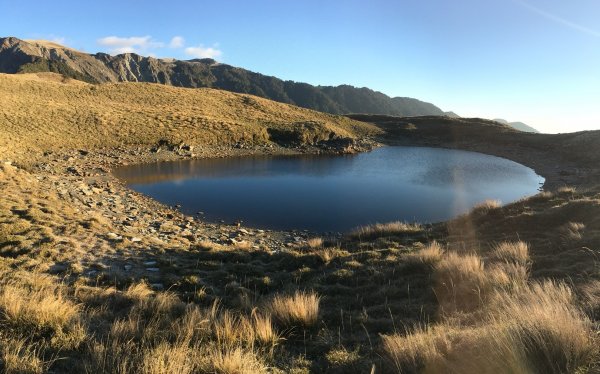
[231,330]
[314,243]
[208,245]
[264,332]
[342,357]
[538,330]
[430,255]
[543,322]
[567,190]
[138,292]
[591,297]
[461,282]
[45,313]
[167,358]
[572,231]
[386,229]
[233,361]
[542,196]
[486,206]
[160,335]
[494,321]
[299,309]
[19,357]
[512,252]
[329,254]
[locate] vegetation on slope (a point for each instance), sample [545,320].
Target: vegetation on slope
[46,112]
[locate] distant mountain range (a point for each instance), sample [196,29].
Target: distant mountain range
[517,125]
[31,56]
[20,56]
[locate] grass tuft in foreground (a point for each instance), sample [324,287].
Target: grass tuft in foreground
[386,229]
[300,309]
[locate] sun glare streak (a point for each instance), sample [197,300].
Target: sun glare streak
[559,20]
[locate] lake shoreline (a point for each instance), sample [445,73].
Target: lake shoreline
[325,194]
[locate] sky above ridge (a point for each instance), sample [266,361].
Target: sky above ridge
[522,60]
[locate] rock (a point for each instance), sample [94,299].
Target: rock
[149,263]
[127,267]
[153,270]
[73,170]
[136,240]
[244,231]
[113,236]
[157,286]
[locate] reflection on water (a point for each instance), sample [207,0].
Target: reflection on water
[334,193]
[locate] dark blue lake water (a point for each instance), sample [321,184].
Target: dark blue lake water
[334,193]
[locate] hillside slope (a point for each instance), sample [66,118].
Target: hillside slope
[46,112]
[40,56]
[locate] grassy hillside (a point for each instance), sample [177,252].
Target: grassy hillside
[46,112]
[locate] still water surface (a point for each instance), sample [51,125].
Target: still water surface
[334,193]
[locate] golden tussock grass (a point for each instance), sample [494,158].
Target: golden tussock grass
[486,206]
[19,357]
[342,357]
[536,333]
[567,190]
[300,309]
[169,358]
[386,229]
[460,282]
[429,255]
[515,252]
[208,245]
[314,243]
[264,331]
[43,312]
[233,361]
[572,231]
[329,254]
[494,321]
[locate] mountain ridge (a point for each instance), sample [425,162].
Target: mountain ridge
[517,125]
[20,56]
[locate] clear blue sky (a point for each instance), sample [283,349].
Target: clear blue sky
[529,60]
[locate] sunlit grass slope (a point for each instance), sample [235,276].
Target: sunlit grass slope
[46,112]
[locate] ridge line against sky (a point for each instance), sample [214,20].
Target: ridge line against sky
[532,61]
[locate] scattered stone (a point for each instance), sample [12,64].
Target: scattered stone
[149,263]
[73,170]
[113,236]
[153,270]
[136,240]
[127,267]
